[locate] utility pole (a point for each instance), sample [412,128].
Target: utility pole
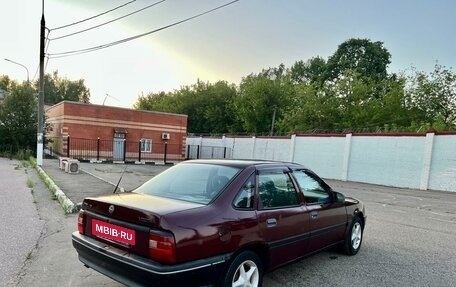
[271,133]
[40,129]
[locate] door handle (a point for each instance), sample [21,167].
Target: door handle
[271,222]
[314,214]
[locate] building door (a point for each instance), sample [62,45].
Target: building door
[118,149]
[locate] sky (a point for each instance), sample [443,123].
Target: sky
[227,44]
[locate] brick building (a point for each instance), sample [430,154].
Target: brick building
[95,132]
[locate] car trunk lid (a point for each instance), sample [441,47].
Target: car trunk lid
[127,220]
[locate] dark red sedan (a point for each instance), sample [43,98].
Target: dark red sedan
[215,223]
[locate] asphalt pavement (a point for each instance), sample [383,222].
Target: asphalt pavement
[20,223]
[409,239]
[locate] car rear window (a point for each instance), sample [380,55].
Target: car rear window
[193,182]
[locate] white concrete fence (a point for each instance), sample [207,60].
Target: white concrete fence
[419,161]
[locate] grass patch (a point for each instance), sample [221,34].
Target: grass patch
[30,183]
[32,161]
[22,164]
[22,154]
[25,164]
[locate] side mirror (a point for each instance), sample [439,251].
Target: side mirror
[339,197]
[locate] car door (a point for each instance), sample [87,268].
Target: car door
[328,218]
[283,220]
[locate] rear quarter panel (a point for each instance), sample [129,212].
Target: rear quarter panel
[208,231]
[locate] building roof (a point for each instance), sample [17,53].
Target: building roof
[113,107]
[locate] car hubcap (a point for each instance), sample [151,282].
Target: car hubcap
[356,235]
[246,275]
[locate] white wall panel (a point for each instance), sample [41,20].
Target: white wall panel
[401,161]
[324,155]
[386,160]
[443,164]
[272,149]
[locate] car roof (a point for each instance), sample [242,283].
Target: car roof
[241,163]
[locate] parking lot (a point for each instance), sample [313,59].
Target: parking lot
[410,240]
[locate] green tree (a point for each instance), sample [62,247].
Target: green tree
[262,97]
[4,82]
[366,104]
[311,110]
[217,103]
[18,117]
[311,71]
[57,89]
[348,103]
[209,106]
[362,56]
[435,95]
[160,102]
[352,90]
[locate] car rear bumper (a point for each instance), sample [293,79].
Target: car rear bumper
[134,270]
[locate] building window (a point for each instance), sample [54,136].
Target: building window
[146,145]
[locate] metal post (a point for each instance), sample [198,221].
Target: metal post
[224,152]
[68,146]
[188,152]
[124,149]
[98,149]
[198,152]
[166,151]
[139,151]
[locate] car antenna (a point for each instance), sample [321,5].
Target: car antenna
[115,189]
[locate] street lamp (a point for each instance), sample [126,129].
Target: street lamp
[21,66]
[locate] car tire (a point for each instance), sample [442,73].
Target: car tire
[246,269]
[354,237]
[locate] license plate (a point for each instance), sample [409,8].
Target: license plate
[113,232]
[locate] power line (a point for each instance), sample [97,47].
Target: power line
[108,22]
[91,49]
[106,12]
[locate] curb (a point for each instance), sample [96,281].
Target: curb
[67,205]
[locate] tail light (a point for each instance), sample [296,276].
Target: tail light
[162,247]
[81,221]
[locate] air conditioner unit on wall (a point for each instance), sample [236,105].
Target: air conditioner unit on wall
[72,166]
[166,136]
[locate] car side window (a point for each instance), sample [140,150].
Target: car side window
[276,190]
[312,189]
[245,197]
